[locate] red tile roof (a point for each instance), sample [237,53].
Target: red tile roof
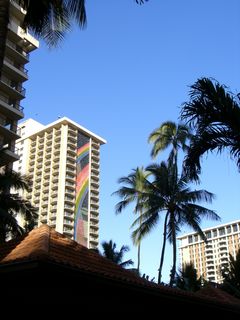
[218,294]
[45,244]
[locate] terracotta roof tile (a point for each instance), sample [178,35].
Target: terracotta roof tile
[44,243]
[219,294]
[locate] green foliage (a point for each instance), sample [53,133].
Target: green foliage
[187,278]
[51,20]
[12,204]
[131,192]
[231,275]
[170,134]
[214,113]
[169,194]
[110,252]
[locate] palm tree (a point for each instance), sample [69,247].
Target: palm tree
[169,134]
[187,279]
[12,204]
[134,185]
[231,275]
[170,194]
[110,252]
[49,20]
[214,112]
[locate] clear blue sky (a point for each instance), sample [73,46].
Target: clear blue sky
[125,74]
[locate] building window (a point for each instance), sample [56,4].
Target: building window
[228,229]
[190,239]
[221,231]
[234,228]
[208,234]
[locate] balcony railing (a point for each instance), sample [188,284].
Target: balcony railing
[18,49]
[17,66]
[14,86]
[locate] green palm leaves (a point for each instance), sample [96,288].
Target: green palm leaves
[170,195]
[130,192]
[12,204]
[110,252]
[51,19]
[214,113]
[159,192]
[169,134]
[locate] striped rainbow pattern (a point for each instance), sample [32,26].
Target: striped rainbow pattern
[82,188]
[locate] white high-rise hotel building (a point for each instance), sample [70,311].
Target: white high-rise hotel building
[62,160]
[210,257]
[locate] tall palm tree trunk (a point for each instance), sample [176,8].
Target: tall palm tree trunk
[139,257]
[173,271]
[139,247]
[163,248]
[4,19]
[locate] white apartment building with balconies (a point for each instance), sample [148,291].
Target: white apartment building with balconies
[63,161]
[210,257]
[13,74]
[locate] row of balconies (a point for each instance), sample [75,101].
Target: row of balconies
[16,52]
[15,71]
[10,108]
[95,145]
[72,132]
[12,88]
[8,154]
[9,133]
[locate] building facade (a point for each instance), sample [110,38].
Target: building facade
[210,257]
[62,160]
[13,74]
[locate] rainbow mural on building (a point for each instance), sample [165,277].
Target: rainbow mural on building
[82,190]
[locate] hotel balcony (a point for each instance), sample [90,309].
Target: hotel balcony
[94,225]
[15,72]
[9,133]
[13,111]
[95,162]
[24,39]
[94,204]
[68,230]
[95,153]
[94,172]
[94,197]
[68,207]
[94,184]
[72,132]
[94,217]
[95,145]
[71,186]
[95,159]
[43,220]
[16,10]
[68,222]
[93,241]
[70,176]
[69,215]
[15,91]
[69,200]
[8,155]
[70,192]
